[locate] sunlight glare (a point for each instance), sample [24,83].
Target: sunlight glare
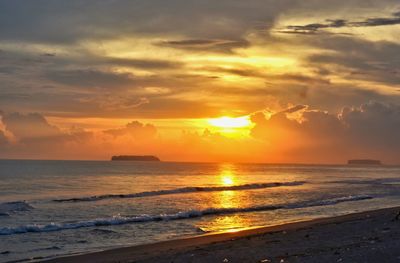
[230,122]
[227,176]
[227,180]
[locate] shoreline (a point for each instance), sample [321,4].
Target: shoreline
[181,249]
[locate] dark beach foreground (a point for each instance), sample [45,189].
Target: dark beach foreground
[372,236]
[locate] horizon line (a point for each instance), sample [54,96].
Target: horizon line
[198,162]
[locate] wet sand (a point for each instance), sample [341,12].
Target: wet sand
[361,237]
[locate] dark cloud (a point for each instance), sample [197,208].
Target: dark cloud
[71,21]
[96,78]
[207,45]
[362,69]
[48,54]
[26,62]
[320,94]
[33,129]
[379,21]
[29,126]
[91,78]
[375,125]
[99,94]
[313,28]
[35,137]
[341,23]
[295,109]
[377,61]
[327,97]
[368,131]
[143,63]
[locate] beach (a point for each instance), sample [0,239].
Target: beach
[372,236]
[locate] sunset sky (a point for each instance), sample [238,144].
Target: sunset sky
[199,80]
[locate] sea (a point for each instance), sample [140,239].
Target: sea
[55,208]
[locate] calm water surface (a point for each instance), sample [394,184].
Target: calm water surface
[52,208]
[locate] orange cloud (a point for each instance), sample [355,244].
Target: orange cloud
[368,131]
[297,134]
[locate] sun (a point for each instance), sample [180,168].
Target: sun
[230,122]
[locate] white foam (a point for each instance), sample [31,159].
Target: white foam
[119,220]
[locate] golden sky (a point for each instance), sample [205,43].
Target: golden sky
[250,81]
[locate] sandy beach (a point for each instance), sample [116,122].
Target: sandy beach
[372,236]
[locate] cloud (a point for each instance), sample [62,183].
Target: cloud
[192,59]
[296,134]
[142,63]
[368,131]
[341,23]
[378,21]
[37,138]
[206,45]
[313,28]
[72,21]
[29,126]
[374,125]
[33,128]
[358,59]
[135,129]
[34,137]
[115,103]
[295,109]
[48,54]
[91,78]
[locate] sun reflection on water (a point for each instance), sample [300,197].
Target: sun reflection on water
[228,176]
[227,180]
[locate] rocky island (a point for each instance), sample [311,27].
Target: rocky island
[364,162]
[141,158]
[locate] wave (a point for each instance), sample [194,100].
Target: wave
[380,181]
[333,201]
[120,220]
[182,191]
[17,206]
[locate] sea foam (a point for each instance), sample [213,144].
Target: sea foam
[119,220]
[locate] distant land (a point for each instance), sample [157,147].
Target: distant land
[142,158]
[364,162]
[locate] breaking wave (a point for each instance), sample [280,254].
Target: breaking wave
[181,191]
[120,220]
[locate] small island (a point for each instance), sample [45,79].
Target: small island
[364,162]
[140,158]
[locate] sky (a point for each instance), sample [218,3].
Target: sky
[200,80]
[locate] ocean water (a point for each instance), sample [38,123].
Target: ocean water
[55,208]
